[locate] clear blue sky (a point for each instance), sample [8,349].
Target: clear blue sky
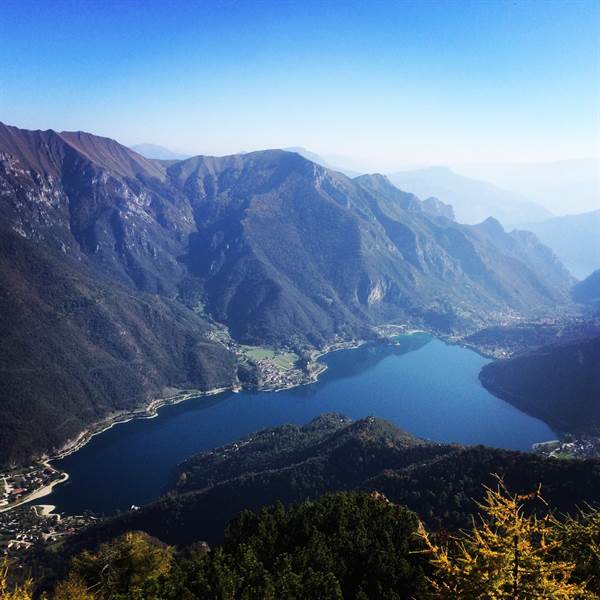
[392,82]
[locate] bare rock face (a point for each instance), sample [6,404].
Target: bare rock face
[435,207]
[376,294]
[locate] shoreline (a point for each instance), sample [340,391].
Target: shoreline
[41,492]
[44,510]
[151,410]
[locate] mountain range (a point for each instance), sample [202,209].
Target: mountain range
[561,186]
[120,273]
[473,200]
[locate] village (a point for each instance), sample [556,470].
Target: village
[570,447]
[17,487]
[512,336]
[31,526]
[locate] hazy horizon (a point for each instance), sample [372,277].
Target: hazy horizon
[385,84]
[505,93]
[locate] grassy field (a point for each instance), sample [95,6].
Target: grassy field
[283,360]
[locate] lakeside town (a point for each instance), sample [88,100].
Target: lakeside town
[570,447]
[32,526]
[23,485]
[518,335]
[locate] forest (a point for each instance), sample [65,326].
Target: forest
[353,545]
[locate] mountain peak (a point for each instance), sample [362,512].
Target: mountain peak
[492,225]
[36,150]
[45,151]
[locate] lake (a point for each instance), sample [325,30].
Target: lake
[423,385]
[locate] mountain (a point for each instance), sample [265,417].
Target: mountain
[559,384]
[472,200]
[588,290]
[441,483]
[119,269]
[575,239]
[157,152]
[434,206]
[84,333]
[287,249]
[561,186]
[78,349]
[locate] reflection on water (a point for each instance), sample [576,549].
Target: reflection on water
[367,356]
[425,386]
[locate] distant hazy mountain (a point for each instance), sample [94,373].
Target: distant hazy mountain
[563,187]
[575,239]
[317,158]
[473,201]
[158,152]
[115,269]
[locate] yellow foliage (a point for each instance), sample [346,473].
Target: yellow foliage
[121,566]
[73,588]
[17,593]
[508,554]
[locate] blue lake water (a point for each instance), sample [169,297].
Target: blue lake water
[429,388]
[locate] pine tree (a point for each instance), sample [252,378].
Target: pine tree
[579,541]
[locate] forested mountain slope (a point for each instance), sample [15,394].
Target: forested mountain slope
[588,290]
[559,383]
[442,483]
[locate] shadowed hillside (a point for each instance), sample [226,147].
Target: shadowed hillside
[331,453]
[559,384]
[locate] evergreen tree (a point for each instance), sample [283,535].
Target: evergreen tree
[579,541]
